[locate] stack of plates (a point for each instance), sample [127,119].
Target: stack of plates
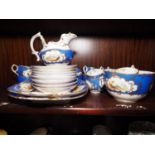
[50,83]
[25,91]
[54,79]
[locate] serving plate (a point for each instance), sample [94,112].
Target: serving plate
[47,99]
[79,90]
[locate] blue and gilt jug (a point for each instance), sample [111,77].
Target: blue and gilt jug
[54,52]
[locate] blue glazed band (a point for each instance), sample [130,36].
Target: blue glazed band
[68,54]
[143,81]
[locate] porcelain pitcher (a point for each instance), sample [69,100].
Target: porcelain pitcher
[54,52]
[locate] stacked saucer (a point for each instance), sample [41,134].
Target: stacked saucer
[25,91]
[54,79]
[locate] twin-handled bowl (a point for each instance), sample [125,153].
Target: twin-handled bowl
[128,84]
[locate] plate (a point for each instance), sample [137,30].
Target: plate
[41,99]
[79,90]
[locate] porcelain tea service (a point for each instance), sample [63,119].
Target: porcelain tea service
[94,78]
[23,72]
[58,80]
[54,52]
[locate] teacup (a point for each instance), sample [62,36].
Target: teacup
[94,78]
[128,87]
[23,72]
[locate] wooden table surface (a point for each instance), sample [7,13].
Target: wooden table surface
[92,104]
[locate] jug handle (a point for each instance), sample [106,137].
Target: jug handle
[14,68]
[38,35]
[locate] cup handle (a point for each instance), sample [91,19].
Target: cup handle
[38,35]
[85,69]
[14,69]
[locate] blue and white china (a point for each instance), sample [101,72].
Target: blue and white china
[127,70]
[23,72]
[94,78]
[47,99]
[56,67]
[26,89]
[79,75]
[128,84]
[54,52]
[54,79]
[21,87]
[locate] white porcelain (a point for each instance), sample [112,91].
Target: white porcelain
[59,86]
[126,98]
[56,84]
[120,84]
[56,81]
[59,75]
[53,78]
[108,69]
[54,66]
[94,77]
[54,52]
[54,74]
[54,90]
[127,70]
[16,89]
[26,86]
[91,71]
[62,44]
[142,72]
[54,70]
[128,84]
[43,99]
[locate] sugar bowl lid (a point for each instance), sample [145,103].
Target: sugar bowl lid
[127,70]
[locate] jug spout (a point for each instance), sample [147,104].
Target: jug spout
[67,37]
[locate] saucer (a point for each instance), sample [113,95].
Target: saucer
[46,99]
[16,89]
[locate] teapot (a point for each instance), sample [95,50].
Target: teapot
[54,52]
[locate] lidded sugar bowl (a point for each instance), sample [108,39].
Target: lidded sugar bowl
[128,84]
[54,52]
